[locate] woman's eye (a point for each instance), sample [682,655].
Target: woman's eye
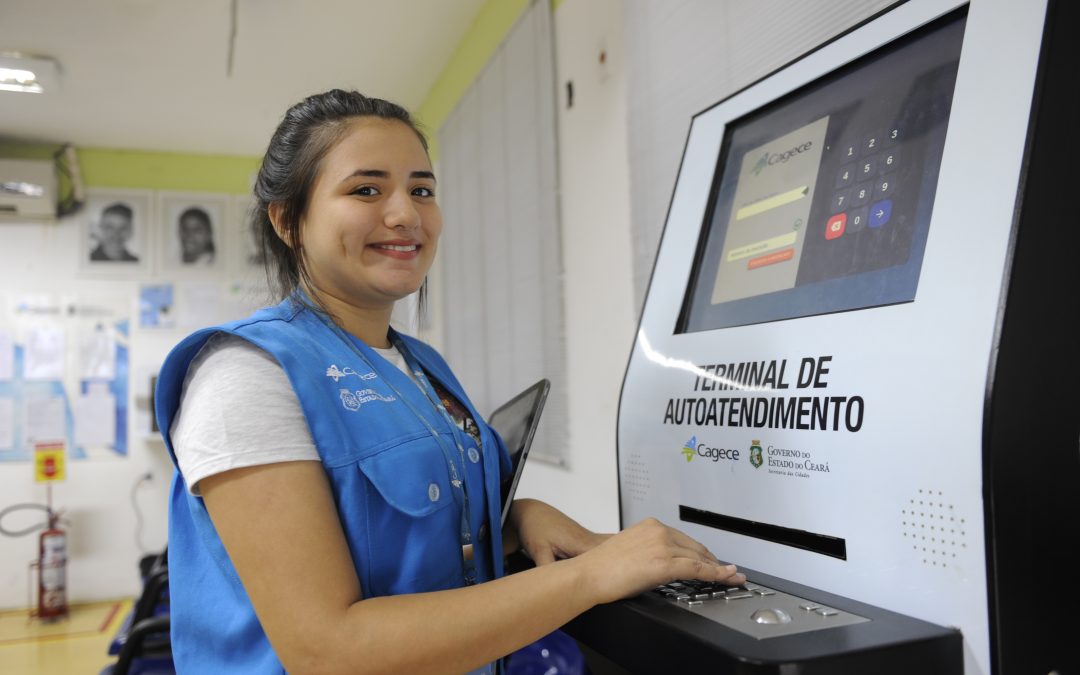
[423,192]
[366,191]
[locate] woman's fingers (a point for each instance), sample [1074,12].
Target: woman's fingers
[687,542]
[542,555]
[651,553]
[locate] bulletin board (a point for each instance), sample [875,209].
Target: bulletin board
[64,375]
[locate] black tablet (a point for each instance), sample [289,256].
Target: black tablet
[516,422]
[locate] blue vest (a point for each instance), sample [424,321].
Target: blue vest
[390,479]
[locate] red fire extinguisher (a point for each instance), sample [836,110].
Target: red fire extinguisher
[52,570]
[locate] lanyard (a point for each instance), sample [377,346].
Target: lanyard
[457,476]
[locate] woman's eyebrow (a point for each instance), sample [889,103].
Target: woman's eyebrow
[380,173]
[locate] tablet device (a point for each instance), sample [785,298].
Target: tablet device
[516,422]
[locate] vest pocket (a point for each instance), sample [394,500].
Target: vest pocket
[412,531]
[411,477]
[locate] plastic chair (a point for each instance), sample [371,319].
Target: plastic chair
[142,644]
[152,602]
[554,654]
[138,656]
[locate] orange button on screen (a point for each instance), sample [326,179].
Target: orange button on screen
[770,259]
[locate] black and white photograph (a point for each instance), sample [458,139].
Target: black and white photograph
[116,231]
[191,231]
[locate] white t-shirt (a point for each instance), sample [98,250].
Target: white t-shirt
[238,409]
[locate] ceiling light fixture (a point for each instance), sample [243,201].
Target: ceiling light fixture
[30,74]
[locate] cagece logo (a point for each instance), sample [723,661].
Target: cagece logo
[779,157]
[760,165]
[688,449]
[755,454]
[692,447]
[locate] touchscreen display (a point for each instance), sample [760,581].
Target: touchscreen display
[822,200]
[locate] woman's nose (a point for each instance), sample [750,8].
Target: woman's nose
[401,211]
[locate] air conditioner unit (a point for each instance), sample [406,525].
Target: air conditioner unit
[27,189]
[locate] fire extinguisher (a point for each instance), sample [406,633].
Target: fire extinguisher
[52,570]
[51,562]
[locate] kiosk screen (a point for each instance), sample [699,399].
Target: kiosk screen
[822,200]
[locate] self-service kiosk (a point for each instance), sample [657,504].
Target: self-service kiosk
[855,371]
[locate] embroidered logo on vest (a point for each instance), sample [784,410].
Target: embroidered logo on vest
[336,374]
[352,400]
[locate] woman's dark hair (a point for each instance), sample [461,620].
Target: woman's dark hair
[289,168]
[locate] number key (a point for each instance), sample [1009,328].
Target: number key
[840,200]
[871,143]
[884,186]
[861,194]
[846,175]
[889,160]
[857,219]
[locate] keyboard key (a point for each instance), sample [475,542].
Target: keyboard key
[738,595]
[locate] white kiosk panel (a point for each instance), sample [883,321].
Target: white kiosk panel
[805,394]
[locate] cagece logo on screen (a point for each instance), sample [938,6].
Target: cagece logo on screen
[779,157]
[692,448]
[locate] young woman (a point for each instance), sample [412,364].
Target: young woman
[336,491]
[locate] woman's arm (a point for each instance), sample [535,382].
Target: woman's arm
[280,527]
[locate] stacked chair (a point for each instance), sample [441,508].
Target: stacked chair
[142,645]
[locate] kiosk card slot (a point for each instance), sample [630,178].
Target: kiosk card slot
[824,544]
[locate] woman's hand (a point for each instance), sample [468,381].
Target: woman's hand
[647,555]
[547,534]
[616,565]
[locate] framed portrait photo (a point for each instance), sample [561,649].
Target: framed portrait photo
[116,232]
[191,233]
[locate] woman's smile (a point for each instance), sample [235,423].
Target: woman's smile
[401,250]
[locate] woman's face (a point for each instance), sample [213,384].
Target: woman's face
[372,225]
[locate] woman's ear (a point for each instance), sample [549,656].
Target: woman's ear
[276,212]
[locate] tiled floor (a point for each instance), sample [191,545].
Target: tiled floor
[74,646]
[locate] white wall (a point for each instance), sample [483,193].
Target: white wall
[595,211]
[686,55]
[97,496]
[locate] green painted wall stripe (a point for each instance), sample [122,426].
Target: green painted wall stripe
[492,23]
[150,170]
[166,171]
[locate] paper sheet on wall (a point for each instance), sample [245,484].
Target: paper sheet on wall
[7,356]
[97,354]
[44,354]
[156,306]
[201,305]
[7,423]
[45,419]
[95,418]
